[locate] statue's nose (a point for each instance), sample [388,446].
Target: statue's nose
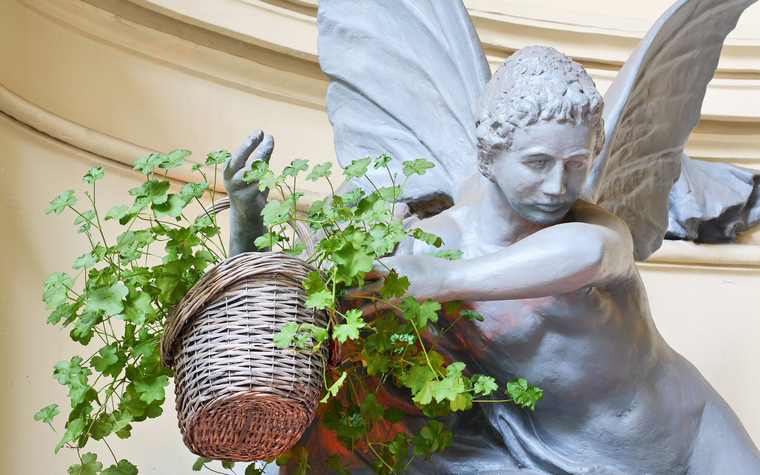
[554,181]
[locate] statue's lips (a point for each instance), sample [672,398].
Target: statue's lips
[551,207]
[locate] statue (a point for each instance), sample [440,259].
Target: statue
[552,274]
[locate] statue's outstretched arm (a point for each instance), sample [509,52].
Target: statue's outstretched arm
[246,201]
[555,260]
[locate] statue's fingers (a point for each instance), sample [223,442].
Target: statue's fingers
[238,181]
[264,150]
[237,160]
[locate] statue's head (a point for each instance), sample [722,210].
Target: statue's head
[539,119]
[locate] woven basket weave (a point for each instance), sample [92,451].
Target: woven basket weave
[238,397]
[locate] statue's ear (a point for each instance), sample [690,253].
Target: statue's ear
[485,164]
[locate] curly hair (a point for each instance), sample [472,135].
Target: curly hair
[536,83]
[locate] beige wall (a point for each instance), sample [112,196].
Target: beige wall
[101,82]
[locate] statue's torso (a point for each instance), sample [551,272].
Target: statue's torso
[608,377]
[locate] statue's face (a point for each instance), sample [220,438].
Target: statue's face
[544,170]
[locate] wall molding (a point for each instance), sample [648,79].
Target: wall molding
[257,67]
[687,253]
[66,131]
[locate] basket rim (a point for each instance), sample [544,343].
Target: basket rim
[213,282]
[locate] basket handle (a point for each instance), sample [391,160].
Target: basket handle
[302,231]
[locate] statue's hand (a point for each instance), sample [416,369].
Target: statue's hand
[246,199]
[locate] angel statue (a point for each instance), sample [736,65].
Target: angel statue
[552,199]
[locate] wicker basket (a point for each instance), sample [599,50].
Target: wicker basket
[238,397]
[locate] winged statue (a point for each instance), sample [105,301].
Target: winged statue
[373,83]
[551,192]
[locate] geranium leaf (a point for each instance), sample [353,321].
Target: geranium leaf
[74,428]
[394,286]
[418,166]
[428,238]
[124,467]
[117,212]
[313,283]
[85,217]
[61,202]
[471,315]
[296,250]
[320,171]
[352,263]
[107,299]
[85,261]
[93,175]
[152,191]
[194,190]
[89,465]
[350,329]
[172,206]
[217,158]
[448,254]
[484,385]
[200,462]
[334,388]
[382,161]
[320,300]
[146,164]
[357,168]
[67,371]
[524,394]
[426,392]
[276,213]
[46,414]
[56,288]
[353,196]
[106,358]
[173,159]
[296,166]
[284,337]
[420,314]
[152,388]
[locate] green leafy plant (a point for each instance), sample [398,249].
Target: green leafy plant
[118,296]
[117,299]
[387,345]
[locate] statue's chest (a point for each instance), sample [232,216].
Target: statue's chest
[519,327]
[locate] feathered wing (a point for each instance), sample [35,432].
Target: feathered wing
[650,110]
[404,79]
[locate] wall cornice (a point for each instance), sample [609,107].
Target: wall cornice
[274,42]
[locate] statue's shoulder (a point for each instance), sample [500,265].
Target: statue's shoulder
[612,230]
[447,225]
[586,212]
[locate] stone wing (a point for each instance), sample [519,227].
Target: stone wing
[404,79]
[650,110]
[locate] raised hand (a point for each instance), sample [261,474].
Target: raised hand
[246,199]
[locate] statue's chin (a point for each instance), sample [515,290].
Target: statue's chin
[542,217]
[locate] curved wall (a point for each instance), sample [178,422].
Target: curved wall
[103,82]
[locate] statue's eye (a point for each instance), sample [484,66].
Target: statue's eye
[538,163]
[576,165]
